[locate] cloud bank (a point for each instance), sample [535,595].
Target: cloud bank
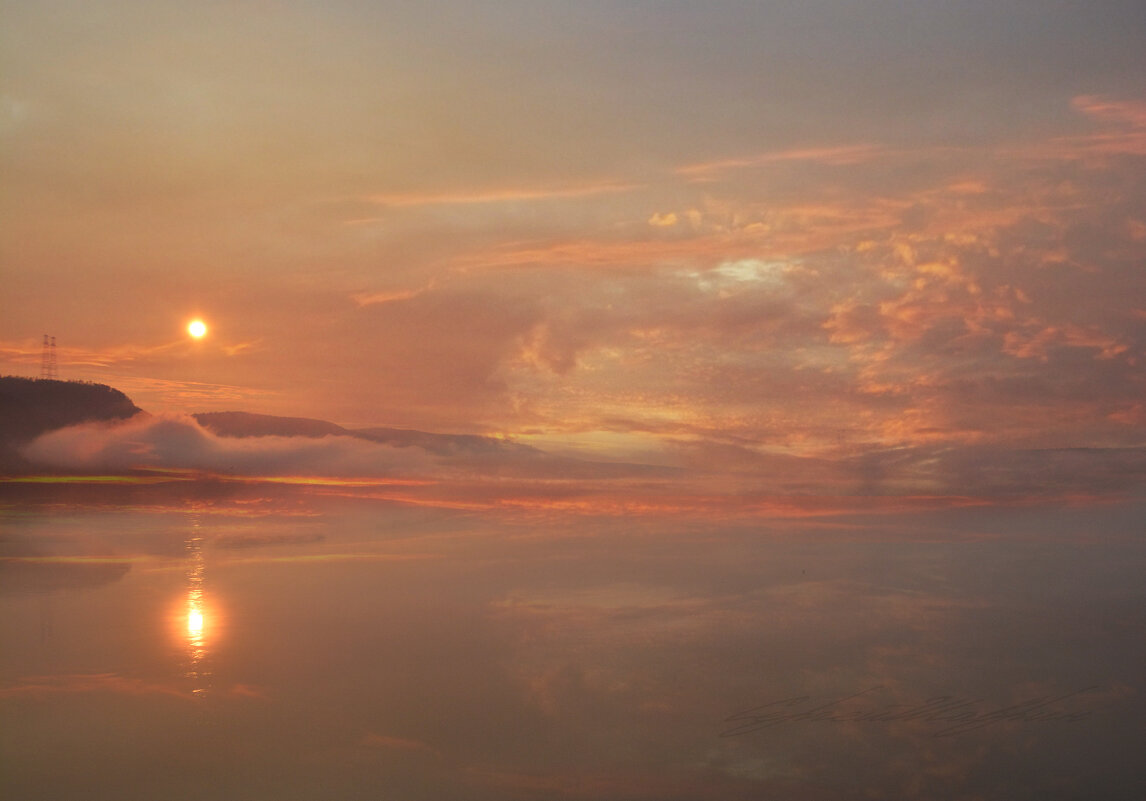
[177,442]
[695,474]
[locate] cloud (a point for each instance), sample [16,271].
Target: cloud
[1121,132]
[1122,112]
[178,442]
[390,464]
[370,298]
[833,156]
[505,195]
[28,351]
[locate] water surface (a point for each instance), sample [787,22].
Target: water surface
[304,646]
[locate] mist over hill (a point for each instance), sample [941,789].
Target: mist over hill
[74,427]
[491,455]
[64,425]
[30,407]
[247,424]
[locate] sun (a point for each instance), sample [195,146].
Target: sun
[197,329]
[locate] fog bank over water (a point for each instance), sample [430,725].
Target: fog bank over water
[180,442]
[183,444]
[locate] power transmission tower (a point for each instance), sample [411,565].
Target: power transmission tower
[48,366]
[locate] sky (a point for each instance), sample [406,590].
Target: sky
[859,242]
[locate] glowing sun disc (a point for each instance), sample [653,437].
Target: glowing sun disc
[197,329]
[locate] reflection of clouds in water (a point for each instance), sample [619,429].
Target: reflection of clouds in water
[523,661]
[238,541]
[46,574]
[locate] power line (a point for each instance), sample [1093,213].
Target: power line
[49,368]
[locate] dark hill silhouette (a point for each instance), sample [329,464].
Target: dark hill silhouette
[490,455]
[30,407]
[446,444]
[246,424]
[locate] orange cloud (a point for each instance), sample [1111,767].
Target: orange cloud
[1028,345]
[28,351]
[368,299]
[1125,112]
[506,195]
[834,156]
[1123,132]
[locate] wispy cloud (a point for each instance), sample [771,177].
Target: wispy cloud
[1131,113]
[1121,132]
[502,195]
[28,351]
[391,296]
[840,155]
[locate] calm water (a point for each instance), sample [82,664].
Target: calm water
[310,647]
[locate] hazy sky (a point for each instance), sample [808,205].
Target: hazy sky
[720,232]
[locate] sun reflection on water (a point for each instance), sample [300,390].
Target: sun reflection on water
[196,619]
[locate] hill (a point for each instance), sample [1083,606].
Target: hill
[30,407]
[489,455]
[246,424]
